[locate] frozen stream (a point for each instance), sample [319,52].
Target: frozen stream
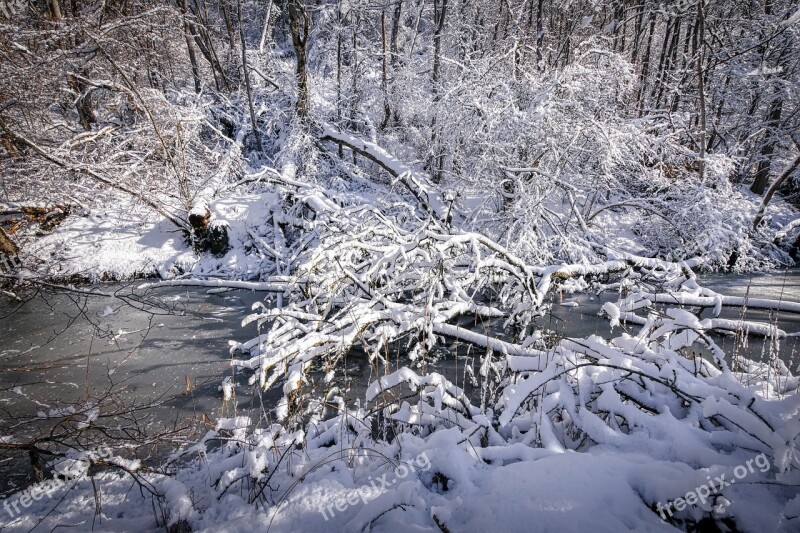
[174,349]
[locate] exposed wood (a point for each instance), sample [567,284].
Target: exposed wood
[7,246]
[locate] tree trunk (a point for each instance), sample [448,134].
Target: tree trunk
[662,58]
[539,36]
[354,98]
[646,64]
[637,30]
[299,26]
[772,190]
[387,110]
[226,15]
[339,45]
[394,56]
[700,28]
[672,54]
[394,53]
[768,148]
[440,13]
[192,57]
[206,45]
[246,71]
[264,32]
[55,10]
[618,32]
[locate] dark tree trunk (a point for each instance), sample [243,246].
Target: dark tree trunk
[662,58]
[55,9]
[637,30]
[539,36]
[393,51]
[299,26]
[672,54]
[700,29]
[246,70]
[387,110]
[440,14]
[768,148]
[646,63]
[339,46]
[226,15]
[205,43]
[198,86]
[618,31]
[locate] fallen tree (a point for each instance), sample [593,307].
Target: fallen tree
[431,200]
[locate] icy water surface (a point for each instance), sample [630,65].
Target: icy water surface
[172,349]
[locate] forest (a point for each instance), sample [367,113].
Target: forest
[418,189]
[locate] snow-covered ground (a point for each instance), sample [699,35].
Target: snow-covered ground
[435,480]
[428,194]
[627,433]
[124,241]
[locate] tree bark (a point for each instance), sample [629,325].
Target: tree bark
[339,46]
[264,32]
[662,58]
[246,71]
[772,190]
[646,64]
[200,34]
[299,27]
[226,15]
[387,110]
[768,148]
[637,30]
[539,36]
[701,85]
[669,65]
[618,31]
[55,10]
[437,159]
[394,53]
[192,57]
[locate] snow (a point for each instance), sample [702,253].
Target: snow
[555,434]
[603,490]
[587,433]
[227,388]
[417,184]
[562,492]
[111,245]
